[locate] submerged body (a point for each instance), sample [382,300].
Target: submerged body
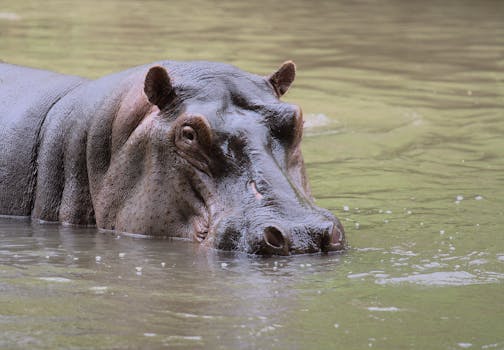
[197,150]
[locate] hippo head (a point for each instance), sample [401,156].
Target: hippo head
[215,156]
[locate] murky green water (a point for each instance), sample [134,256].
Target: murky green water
[404,141]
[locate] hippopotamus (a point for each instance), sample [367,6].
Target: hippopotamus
[197,150]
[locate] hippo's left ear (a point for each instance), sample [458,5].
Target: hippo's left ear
[283,78]
[158,87]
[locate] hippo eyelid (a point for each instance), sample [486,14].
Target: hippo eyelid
[194,130]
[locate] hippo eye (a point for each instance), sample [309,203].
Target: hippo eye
[188,134]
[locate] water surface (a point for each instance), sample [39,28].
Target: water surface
[404,107]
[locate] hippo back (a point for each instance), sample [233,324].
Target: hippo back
[26,96]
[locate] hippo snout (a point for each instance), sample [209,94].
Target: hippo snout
[275,239]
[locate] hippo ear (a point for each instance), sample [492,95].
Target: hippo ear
[158,87]
[283,78]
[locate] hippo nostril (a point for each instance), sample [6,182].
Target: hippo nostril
[340,232]
[274,237]
[334,238]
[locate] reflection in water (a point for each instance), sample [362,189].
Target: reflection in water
[177,288]
[403,104]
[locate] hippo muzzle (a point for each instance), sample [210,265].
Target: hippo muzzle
[285,238]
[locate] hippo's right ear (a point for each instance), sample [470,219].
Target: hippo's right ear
[282,79]
[158,87]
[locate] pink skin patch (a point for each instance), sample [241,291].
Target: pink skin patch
[255,191]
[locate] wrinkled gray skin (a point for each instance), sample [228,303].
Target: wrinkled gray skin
[197,150]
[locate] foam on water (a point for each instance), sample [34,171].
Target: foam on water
[448,278]
[55,279]
[383,309]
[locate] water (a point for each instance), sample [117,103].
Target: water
[404,142]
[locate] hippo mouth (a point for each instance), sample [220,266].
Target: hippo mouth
[202,207]
[201,230]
